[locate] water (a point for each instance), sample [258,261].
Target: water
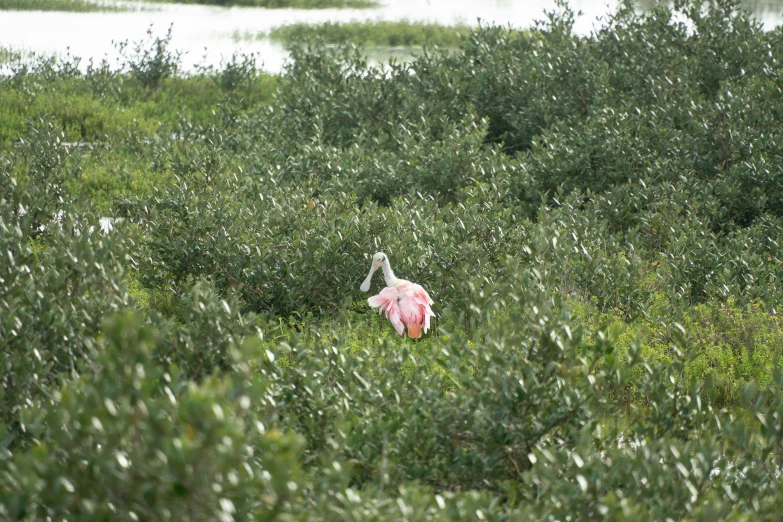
[206,34]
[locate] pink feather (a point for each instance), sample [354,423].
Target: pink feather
[406,304]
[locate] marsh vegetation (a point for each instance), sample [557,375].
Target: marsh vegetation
[372,34]
[101,5]
[284,4]
[79,6]
[598,219]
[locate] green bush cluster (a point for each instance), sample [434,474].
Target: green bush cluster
[111,118]
[194,455]
[59,278]
[596,218]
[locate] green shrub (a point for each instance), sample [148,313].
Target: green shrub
[129,440]
[200,340]
[61,276]
[201,230]
[151,63]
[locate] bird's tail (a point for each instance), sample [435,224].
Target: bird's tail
[414,331]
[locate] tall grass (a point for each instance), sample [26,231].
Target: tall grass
[9,55]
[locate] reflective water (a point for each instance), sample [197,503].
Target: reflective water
[206,34]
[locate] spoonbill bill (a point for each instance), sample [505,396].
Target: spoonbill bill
[405,303]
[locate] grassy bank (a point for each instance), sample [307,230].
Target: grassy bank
[81,6]
[284,4]
[377,33]
[98,5]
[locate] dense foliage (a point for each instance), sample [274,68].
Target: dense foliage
[598,219]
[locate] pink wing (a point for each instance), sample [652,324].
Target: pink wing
[387,301]
[414,305]
[424,300]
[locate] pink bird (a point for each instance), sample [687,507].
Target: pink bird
[405,303]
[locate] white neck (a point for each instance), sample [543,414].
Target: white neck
[388,274]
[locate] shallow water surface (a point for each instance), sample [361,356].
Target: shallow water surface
[206,34]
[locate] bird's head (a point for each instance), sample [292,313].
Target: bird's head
[377,260]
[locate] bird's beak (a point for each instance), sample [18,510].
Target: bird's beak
[366,285]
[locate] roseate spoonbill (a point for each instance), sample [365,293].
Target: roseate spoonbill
[405,303]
